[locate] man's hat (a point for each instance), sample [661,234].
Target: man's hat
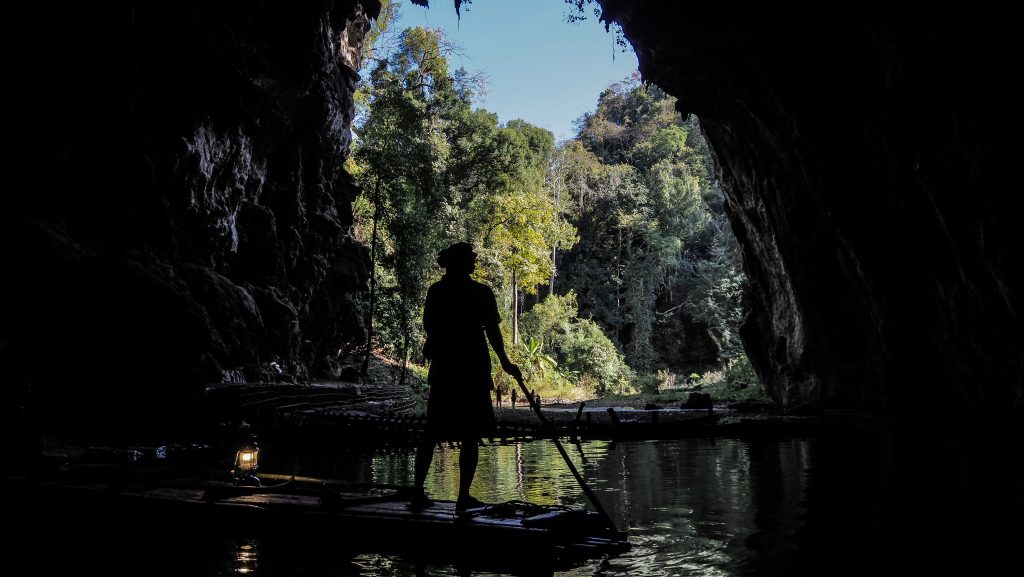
[458,253]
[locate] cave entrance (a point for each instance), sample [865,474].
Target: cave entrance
[602,231]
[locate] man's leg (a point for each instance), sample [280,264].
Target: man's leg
[424,455]
[468,457]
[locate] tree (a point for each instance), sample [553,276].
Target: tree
[629,210]
[435,171]
[654,264]
[402,150]
[579,348]
[516,223]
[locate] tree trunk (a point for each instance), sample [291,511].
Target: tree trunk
[554,245]
[618,287]
[373,283]
[515,308]
[405,355]
[554,254]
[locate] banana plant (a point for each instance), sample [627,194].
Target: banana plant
[535,357]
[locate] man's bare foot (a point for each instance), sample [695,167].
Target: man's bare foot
[420,501]
[468,502]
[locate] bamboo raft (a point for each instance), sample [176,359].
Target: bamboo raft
[380,413]
[363,517]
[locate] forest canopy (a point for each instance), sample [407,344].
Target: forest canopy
[610,253]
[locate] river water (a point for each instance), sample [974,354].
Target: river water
[860,503]
[849,503]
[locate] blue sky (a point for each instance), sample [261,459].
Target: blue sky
[539,67]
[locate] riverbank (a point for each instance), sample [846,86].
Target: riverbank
[368,414]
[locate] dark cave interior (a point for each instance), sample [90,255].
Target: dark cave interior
[180,205]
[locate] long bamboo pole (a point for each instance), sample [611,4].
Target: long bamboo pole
[558,444]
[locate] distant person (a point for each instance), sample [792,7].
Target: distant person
[460,316]
[515,396]
[499,392]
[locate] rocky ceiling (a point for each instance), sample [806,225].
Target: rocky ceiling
[176,206]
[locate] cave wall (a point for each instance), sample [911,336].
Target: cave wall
[180,208]
[175,203]
[868,155]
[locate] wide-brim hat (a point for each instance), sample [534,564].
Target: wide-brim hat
[456,254]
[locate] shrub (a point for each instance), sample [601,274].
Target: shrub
[739,373]
[648,384]
[583,354]
[587,351]
[736,382]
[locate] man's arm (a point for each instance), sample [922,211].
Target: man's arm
[491,322]
[498,343]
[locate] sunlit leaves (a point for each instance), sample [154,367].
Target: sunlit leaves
[585,353]
[436,172]
[655,249]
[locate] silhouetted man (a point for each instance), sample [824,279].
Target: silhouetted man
[458,315]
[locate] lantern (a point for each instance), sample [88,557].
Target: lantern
[247,462]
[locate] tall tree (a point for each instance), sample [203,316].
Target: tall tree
[651,224]
[435,171]
[402,148]
[516,223]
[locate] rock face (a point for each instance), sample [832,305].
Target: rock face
[182,209]
[868,154]
[176,205]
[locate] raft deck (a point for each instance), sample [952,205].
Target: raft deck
[378,519]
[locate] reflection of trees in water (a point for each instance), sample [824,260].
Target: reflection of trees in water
[684,501]
[326,460]
[687,502]
[778,482]
[690,477]
[394,467]
[831,504]
[530,471]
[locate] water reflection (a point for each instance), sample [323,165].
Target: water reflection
[684,503]
[687,504]
[842,504]
[835,504]
[246,557]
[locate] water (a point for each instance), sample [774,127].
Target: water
[863,504]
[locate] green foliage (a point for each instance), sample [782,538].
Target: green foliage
[739,373]
[375,37]
[434,171]
[656,264]
[736,382]
[536,362]
[401,156]
[514,221]
[648,383]
[550,318]
[589,353]
[585,354]
[629,211]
